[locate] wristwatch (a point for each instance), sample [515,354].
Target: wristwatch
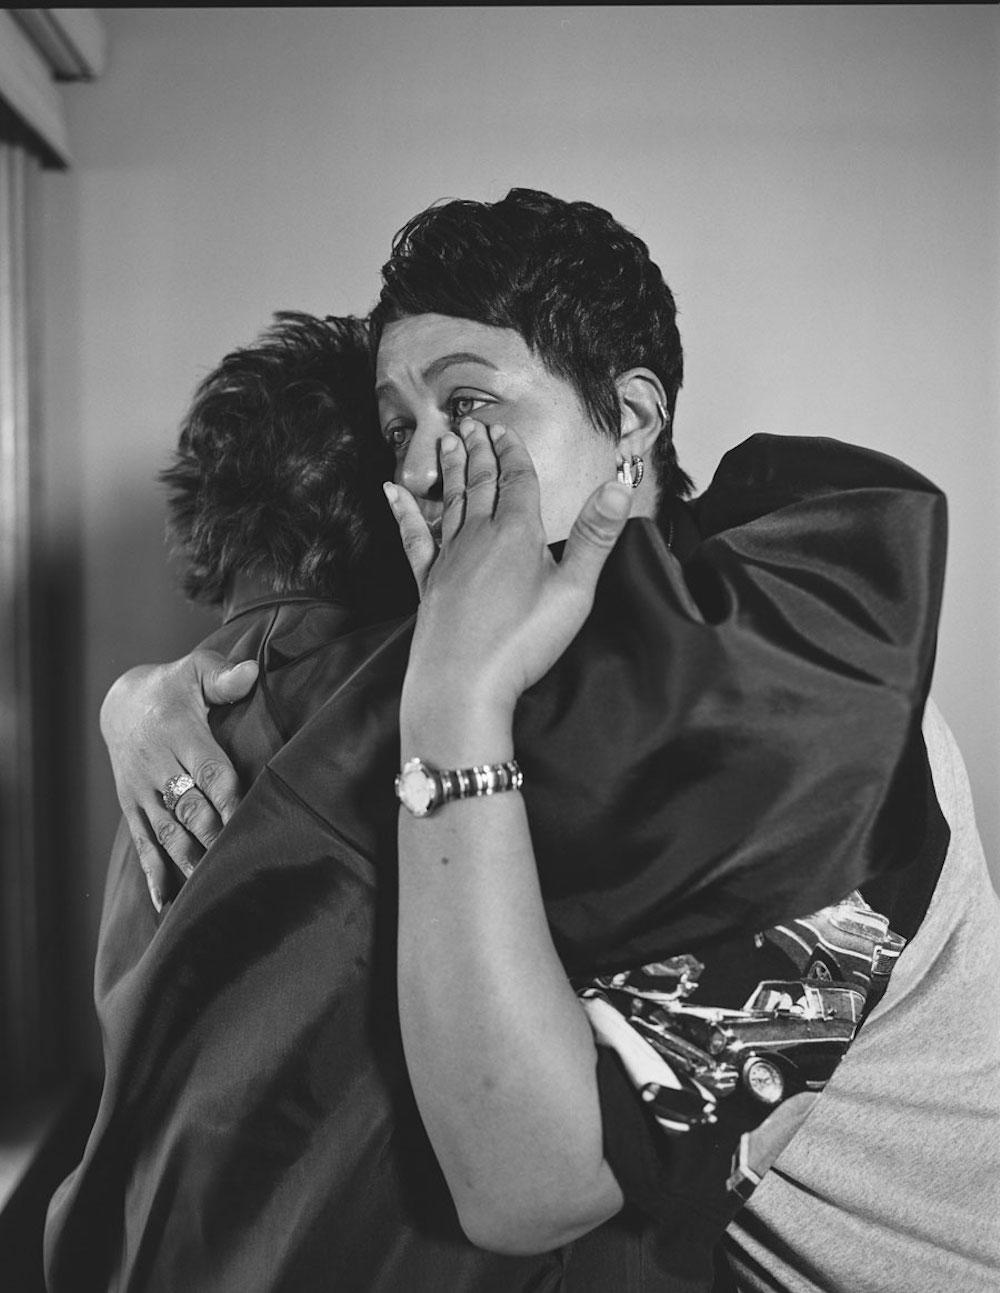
[422,789]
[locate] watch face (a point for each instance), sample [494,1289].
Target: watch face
[415,788]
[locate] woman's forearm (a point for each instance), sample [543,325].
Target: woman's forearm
[500,1054]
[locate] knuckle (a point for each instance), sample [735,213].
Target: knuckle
[189,807]
[595,531]
[209,772]
[516,473]
[481,477]
[167,832]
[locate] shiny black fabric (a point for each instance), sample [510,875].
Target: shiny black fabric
[738,741]
[730,740]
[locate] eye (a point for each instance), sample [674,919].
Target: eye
[396,435]
[463,406]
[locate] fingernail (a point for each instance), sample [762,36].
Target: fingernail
[157,898]
[467,426]
[614,500]
[391,493]
[497,432]
[449,442]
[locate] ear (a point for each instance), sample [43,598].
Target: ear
[643,410]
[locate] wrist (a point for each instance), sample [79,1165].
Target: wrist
[454,729]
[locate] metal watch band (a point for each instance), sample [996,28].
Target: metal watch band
[483,779]
[422,788]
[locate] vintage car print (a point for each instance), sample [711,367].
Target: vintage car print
[789,1038]
[789,1035]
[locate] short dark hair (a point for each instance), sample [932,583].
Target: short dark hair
[278,467]
[580,289]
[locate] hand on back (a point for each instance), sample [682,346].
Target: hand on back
[154,721]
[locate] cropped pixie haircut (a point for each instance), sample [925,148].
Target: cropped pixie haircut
[580,290]
[278,467]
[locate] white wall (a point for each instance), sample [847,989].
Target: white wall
[819,185]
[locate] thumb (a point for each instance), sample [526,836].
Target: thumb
[595,532]
[223,682]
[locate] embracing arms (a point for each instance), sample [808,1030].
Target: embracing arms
[478,978]
[500,1054]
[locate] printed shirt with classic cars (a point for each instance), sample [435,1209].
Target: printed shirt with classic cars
[729,1054]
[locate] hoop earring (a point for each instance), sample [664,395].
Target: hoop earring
[631,473]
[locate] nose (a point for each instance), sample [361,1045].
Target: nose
[418,468]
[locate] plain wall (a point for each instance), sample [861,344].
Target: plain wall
[818,184]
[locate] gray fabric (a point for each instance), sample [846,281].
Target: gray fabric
[893,1183]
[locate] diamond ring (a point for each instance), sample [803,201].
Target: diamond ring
[175,787]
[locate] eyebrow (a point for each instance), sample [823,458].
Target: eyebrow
[437,366]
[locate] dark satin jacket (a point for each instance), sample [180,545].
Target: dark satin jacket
[732,740]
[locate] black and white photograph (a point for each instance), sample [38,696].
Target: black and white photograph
[500,661]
